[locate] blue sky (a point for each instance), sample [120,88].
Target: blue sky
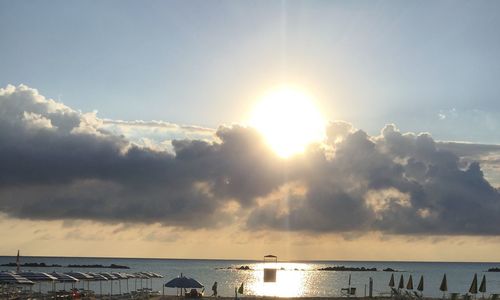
[424,65]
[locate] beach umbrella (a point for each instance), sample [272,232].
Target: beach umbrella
[444,285]
[18,263]
[11,278]
[391,282]
[81,276]
[150,276]
[482,286]
[473,286]
[100,278]
[421,284]
[61,277]
[120,276]
[128,277]
[401,284]
[38,277]
[110,277]
[157,275]
[141,276]
[409,285]
[183,282]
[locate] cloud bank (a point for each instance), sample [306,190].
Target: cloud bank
[58,163]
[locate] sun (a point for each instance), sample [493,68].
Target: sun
[289,120]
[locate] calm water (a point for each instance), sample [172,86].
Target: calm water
[293,279]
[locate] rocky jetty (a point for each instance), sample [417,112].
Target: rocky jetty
[347,269]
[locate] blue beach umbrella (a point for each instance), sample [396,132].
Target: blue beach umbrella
[183,282]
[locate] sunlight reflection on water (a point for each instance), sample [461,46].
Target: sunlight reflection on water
[292,280]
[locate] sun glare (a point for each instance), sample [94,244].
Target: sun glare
[288,120]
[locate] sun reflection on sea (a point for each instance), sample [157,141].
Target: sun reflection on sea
[291,280]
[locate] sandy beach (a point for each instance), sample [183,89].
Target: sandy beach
[249,297]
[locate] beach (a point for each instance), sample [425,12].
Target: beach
[294,279]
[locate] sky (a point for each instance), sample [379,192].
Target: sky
[123,129]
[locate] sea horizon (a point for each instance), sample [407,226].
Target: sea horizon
[255,260]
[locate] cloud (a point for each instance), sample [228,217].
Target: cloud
[60,164]
[394,183]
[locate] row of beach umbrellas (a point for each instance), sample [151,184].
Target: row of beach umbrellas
[30,278]
[409,285]
[474,289]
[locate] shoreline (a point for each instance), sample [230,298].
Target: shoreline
[250,297]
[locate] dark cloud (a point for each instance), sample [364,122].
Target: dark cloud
[57,163]
[394,183]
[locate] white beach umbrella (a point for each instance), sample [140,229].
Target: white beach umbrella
[120,276]
[61,277]
[15,279]
[110,277]
[38,277]
[81,276]
[128,276]
[150,276]
[141,277]
[100,278]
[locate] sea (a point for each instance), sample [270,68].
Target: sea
[293,279]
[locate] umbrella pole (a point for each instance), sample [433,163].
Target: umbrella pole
[127,287]
[120,285]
